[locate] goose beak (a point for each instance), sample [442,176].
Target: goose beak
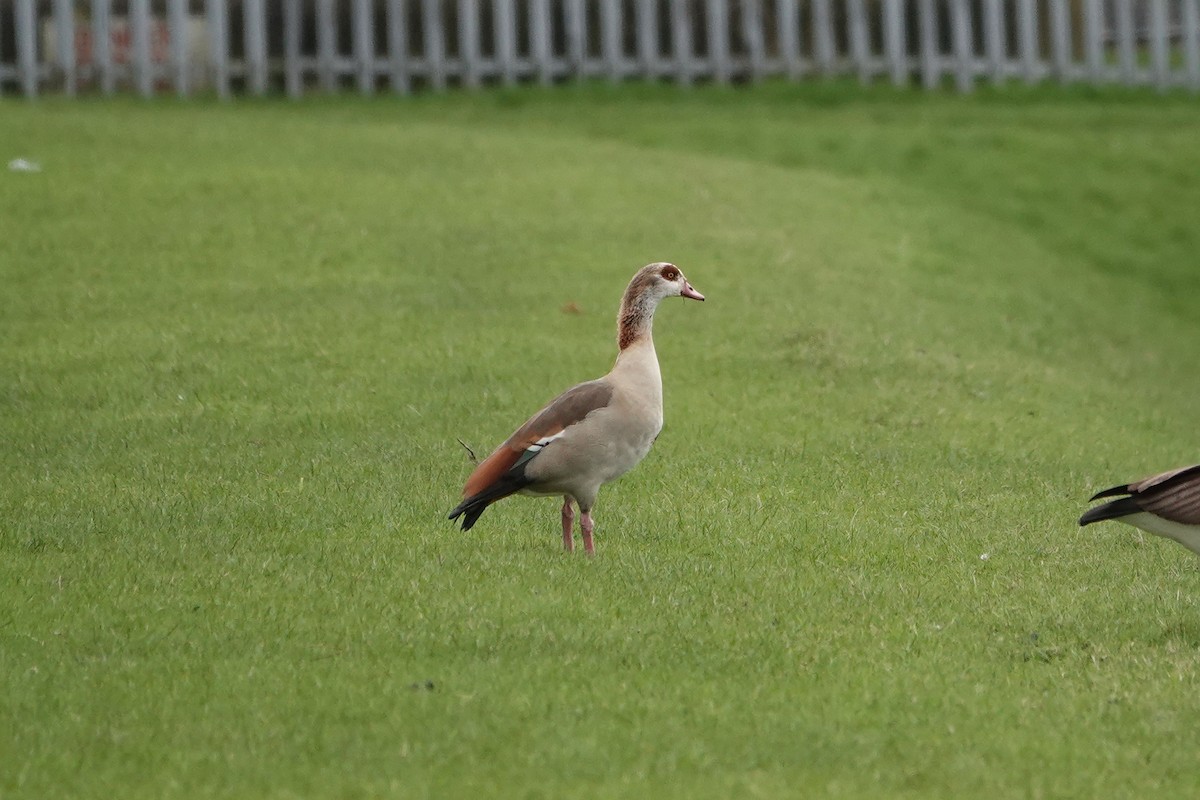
[688,291]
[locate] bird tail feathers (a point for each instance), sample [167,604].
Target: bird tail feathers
[1114,510]
[470,508]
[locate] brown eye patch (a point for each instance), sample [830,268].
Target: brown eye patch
[670,273]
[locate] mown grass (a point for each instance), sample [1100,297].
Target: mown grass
[240,343]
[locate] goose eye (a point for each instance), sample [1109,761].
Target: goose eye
[670,273]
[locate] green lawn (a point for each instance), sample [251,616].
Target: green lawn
[239,343]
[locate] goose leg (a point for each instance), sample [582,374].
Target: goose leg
[586,523]
[568,517]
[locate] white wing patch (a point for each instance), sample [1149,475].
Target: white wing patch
[537,447]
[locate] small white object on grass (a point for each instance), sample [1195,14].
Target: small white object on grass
[24,165]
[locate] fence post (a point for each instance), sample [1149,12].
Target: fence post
[102,43]
[504,18]
[64,22]
[364,45]
[961,36]
[860,45]
[1060,39]
[993,39]
[930,58]
[435,43]
[292,82]
[681,40]
[218,32]
[177,31]
[326,45]
[25,18]
[254,41]
[823,44]
[576,22]
[610,38]
[1125,41]
[1093,27]
[139,36]
[541,42]
[752,35]
[894,40]
[788,24]
[647,38]
[1191,42]
[718,39]
[1158,44]
[397,43]
[1028,40]
[468,42]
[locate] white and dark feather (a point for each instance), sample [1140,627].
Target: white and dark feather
[1166,504]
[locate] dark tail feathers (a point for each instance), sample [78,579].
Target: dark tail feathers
[470,509]
[511,482]
[1114,510]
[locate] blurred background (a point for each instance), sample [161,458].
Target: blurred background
[296,46]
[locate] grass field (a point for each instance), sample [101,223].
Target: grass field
[239,343]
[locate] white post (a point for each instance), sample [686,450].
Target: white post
[25,18]
[326,46]
[468,42]
[1060,39]
[434,32]
[139,36]
[177,31]
[576,21]
[102,43]
[1191,42]
[681,40]
[218,35]
[1158,44]
[930,58]
[610,37]
[364,45]
[255,43]
[64,24]
[504,17]
[788,23]
[293,83]
[752,32]
[397,43]
[1028,38]
[993,38]
[894,40]
[860,45]
[823,46]
[647,38]
[1125,41]
[1093,19]
[961,35]
[541,42]
[718,39]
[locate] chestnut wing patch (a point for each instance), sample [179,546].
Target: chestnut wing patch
[541,430]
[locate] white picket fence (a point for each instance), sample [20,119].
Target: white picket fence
[296,46]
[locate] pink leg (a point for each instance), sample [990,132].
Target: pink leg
[586,523]
[568,517]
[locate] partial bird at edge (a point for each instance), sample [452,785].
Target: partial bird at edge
[1166,504]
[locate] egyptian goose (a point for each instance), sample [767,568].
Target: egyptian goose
[594,432]
[1165,505]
